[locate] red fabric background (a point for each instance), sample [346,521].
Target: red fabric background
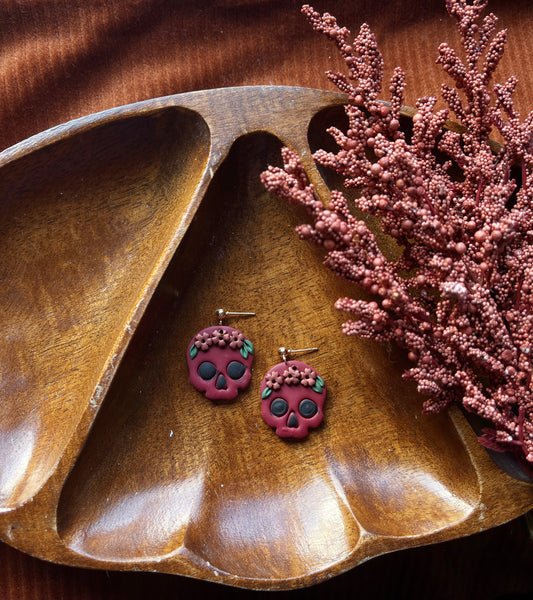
[62,59]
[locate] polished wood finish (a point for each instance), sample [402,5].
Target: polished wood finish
[122,232]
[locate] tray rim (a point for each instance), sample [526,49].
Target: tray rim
[185,101]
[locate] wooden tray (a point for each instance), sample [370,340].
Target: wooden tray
[121,234]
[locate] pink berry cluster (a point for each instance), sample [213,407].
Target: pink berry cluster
[459,295]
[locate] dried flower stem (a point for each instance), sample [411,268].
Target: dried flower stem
[464,310]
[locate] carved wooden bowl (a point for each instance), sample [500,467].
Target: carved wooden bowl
[121,234]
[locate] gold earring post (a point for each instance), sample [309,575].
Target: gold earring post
[222,313]
[286,352]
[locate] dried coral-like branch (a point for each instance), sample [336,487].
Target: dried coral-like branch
[465,311]
[362,57]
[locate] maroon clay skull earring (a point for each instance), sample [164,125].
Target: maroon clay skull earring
[292,396]
[220,360]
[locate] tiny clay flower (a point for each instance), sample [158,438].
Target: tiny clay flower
[236,340]
[221,337]
[308,377]
[203,340]
[291,376]
[274,380]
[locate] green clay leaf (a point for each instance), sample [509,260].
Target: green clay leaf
[249,346]
[244,352]
[193,351]
[318,387]
[320,380]
[266,393]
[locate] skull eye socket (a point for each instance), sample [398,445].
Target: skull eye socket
[236,369]
[308,408]
[279,407]
[207,370]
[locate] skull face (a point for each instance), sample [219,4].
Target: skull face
[220,362]
[292,399]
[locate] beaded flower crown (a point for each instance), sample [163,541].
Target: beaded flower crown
[221,338]
[292,375]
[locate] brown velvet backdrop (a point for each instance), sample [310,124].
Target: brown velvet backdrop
[62,59]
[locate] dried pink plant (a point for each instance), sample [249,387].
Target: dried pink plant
[459,298]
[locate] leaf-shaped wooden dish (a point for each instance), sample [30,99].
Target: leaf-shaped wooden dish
[121,234]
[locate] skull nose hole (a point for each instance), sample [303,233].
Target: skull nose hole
[293,421]
[221,383]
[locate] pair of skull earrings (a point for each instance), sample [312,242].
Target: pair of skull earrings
[292,393]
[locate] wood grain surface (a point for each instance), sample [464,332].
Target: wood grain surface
[122,233]
[68,59]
